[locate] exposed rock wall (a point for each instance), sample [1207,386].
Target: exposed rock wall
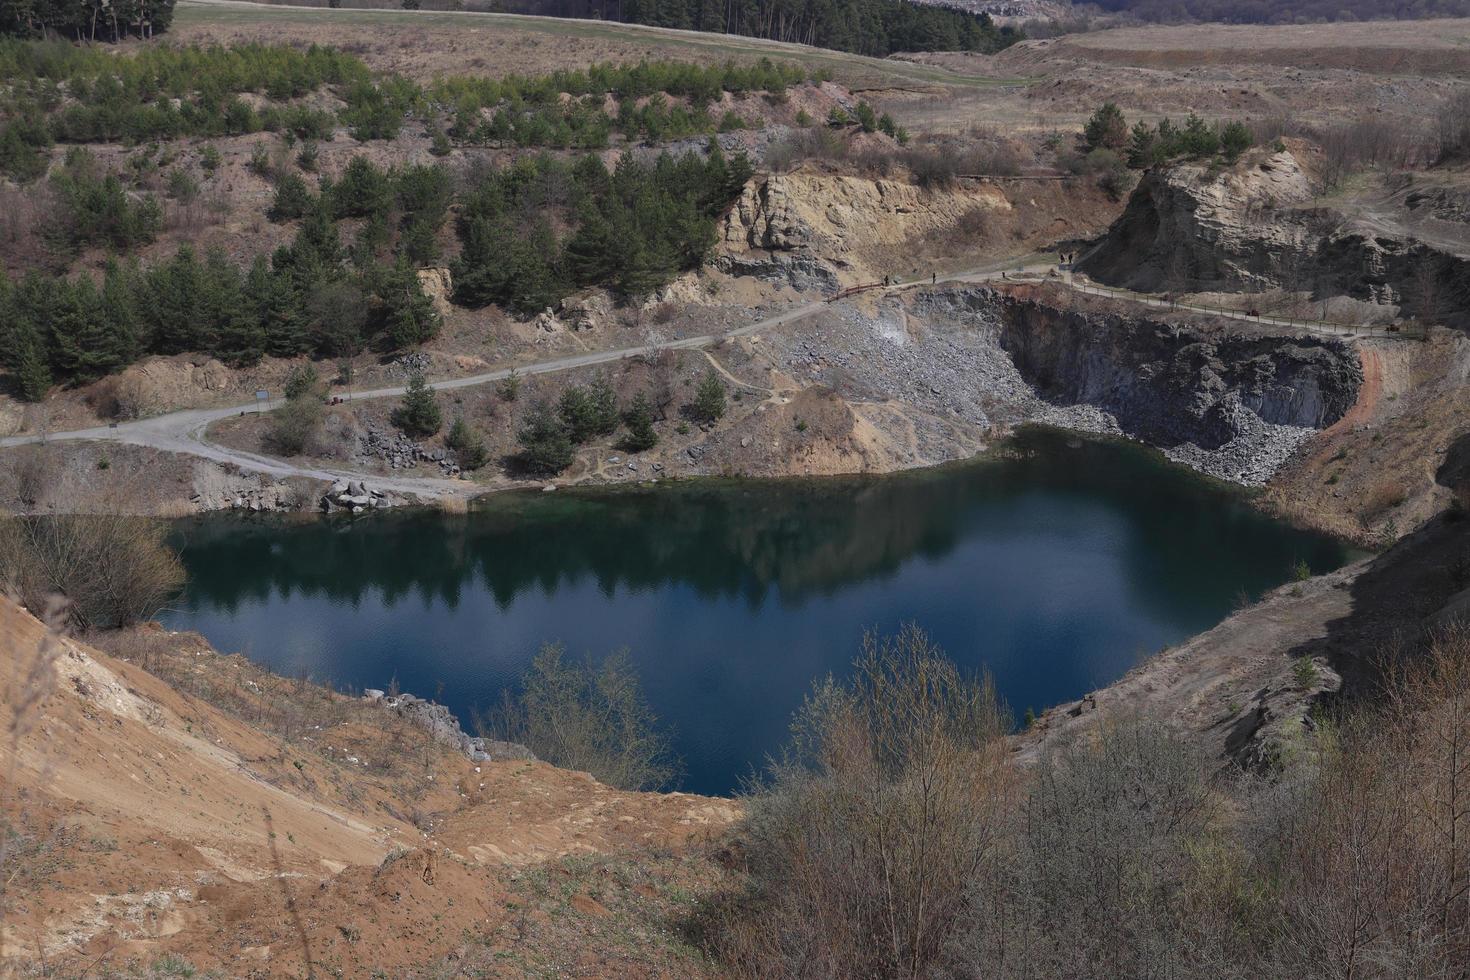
[1169,383]
[815,229]
[1232,403]
[1257,225]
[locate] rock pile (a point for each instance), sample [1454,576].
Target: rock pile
[402,453]
[444,728]
[272,497]
[353,496]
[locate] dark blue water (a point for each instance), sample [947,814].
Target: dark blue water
[1056,568]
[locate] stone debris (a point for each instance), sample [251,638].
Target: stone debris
[444,728]
[402,453]
[355,497]
[946,355]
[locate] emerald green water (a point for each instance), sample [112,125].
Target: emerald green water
[1056,568]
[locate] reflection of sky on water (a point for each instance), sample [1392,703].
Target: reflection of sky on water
[1056,572]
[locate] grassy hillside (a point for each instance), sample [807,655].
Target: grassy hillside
[504,39]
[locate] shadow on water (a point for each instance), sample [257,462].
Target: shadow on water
[1056,567]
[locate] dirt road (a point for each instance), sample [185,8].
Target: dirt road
[184,432]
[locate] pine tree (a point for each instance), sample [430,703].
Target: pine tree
[174,289]
[409,317]
[709,399]
[546,447]
[577,413]
[238,334]
[23,350]
[119,313]
[639,422]
[604,407]
[277,308]
[1107,129]
[1235,139]
[293,199]
[1142,147]
[418,414]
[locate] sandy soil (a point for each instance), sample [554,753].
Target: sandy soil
[158,819]
[1377,474]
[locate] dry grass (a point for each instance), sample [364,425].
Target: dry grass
[1117,855]
[113,570]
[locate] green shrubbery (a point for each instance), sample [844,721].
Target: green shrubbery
[303,300]
[633,229]
[468,445]
[550,435]
[66,94]
[630,230]
[69,94]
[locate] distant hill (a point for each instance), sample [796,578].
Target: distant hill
[1284,11]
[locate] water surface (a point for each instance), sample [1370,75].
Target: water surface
[1056,568]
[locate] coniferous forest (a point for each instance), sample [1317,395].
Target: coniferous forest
[871,27]
[86,20]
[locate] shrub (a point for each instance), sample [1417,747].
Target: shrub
[589,717]
[863,840]
[182,186]
[97,210]
[1303,672]
[260,162]
[588,412]
[1235,139]
[307,158]
[303,381]
[418,414]
[469,447]
[295,425]
[113,570]
[293,199]
[509,387]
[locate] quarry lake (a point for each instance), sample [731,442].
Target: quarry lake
[1057,567]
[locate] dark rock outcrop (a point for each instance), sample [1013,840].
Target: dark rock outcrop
[1170,384]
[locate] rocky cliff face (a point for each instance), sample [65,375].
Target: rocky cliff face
[1231,403]
[819,230]
[1189,227]
[1170,384]
[1257,226]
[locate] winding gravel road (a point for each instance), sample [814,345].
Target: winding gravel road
[184,431]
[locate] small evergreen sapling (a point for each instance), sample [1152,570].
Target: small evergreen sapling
[418,414]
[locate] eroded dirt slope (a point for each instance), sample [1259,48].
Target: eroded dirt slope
[147,819]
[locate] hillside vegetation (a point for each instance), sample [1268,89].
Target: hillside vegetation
[529,231]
